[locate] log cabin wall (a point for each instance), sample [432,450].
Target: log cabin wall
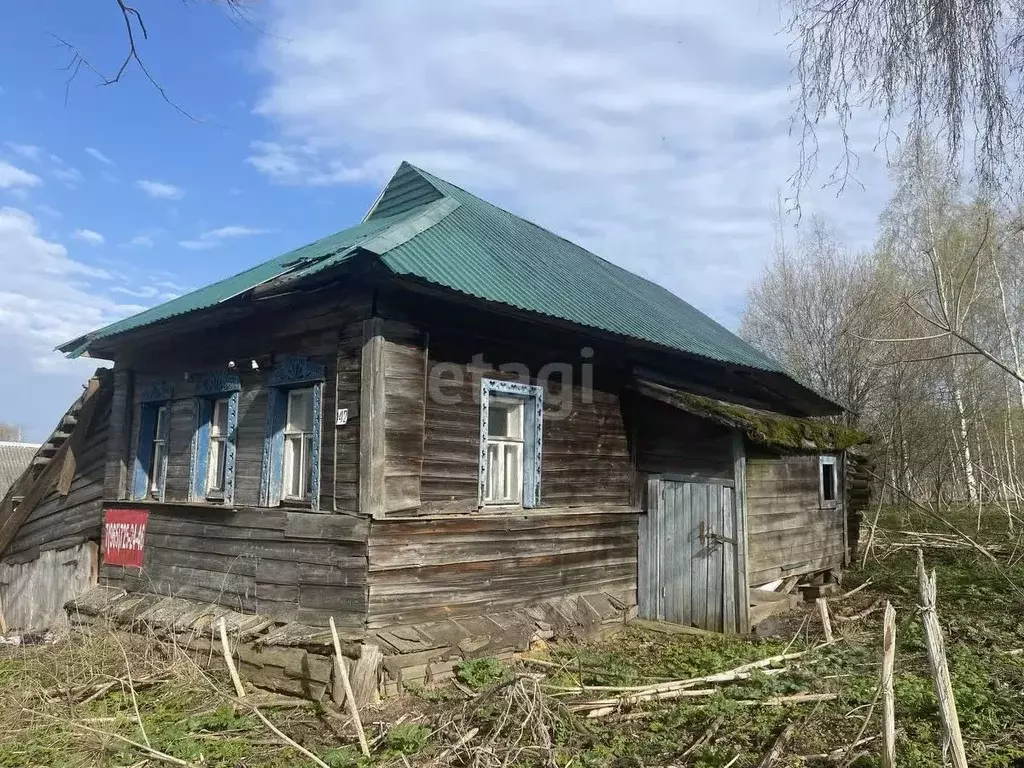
[428,569]
[788,532]
[432,552]
[292,566]
[327,332]
[432,396]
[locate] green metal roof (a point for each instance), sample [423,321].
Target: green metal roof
[426,228]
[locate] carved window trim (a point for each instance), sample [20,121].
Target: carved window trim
[209,389]
[533,435]
[293,373]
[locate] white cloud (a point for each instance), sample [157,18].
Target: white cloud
[28,151]
[89,236]
[141,241]
[655,132]
[46,298]
[70,176]
[160,190]
[95,153]
[214,237]
[11,176]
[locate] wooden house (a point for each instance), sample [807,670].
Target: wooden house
[446,427]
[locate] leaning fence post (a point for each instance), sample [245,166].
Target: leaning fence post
[940,669]
[888,697]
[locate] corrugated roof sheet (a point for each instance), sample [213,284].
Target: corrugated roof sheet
[427,228]
[14,460]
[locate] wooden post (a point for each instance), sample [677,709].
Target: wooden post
[739,456]
[888,697]
[826,622]
[353,710]
[371,419]
[229,660]
[940,669]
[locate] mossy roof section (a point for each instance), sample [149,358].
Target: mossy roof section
[764,428]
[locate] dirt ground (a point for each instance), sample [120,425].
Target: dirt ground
[96,699]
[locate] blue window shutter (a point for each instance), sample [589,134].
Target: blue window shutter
[273,448]
[229,450]
[314,461]
[201,448]
[144,450]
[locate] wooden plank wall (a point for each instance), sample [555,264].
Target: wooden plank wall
[425,570]
[671,441]
[293,566]
[584,438]
[405,393]
[58,522]
[327,333]
[788,533]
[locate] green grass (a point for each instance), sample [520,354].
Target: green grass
[981,615]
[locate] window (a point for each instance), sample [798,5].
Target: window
[151,451]
[511,417]
[828,481]
[213,442]
[217,461]
[505,453]
[158,453]
[291,448]
[298,443]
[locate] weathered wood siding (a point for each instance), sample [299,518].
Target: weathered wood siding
[59,522]
[405,394]
[787,531]
[294,566]
[326,333]
[585,458]
[671,441]
[425,570]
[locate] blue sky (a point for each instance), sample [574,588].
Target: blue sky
[655,135]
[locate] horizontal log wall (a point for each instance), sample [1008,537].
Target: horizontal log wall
[293,566]
[327,333]
[426,570]
[788,533]
[585,456]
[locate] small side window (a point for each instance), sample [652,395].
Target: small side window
[828,485]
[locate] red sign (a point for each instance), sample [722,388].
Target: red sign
[124,536]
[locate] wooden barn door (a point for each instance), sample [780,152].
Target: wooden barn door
[688,557]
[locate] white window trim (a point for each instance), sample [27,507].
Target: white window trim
[219,442]
[305,459]
[518,445]
[828,461]
[158,469]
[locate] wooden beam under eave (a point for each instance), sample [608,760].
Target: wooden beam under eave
[371,420]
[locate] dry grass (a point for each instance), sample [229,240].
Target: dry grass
[96,697]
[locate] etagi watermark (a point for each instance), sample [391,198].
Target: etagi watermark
[447,382]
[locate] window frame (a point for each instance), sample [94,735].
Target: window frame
[293,373]
[148,482]
[209,391]
[289,436]
[532,399]
[833,462]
